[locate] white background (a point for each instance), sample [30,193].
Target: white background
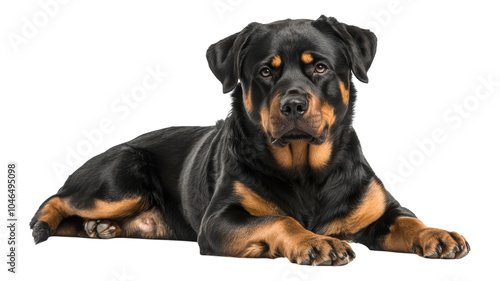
[69,73]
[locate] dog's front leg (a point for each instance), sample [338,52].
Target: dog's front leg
[408,234]
[234,226]
[398,231]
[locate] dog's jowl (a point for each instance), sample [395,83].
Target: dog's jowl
[283,176]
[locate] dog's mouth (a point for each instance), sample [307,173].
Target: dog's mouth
[298,135]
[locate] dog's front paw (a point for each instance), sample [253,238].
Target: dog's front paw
[439,244]
[320,250]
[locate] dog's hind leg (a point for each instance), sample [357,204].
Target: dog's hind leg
[117,184]
[48,217]
[52,212]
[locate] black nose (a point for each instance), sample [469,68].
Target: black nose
[294,105]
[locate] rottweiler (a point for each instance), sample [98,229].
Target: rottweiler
[282,176]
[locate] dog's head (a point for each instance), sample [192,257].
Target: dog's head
[295,74]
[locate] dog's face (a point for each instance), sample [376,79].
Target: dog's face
[295,74]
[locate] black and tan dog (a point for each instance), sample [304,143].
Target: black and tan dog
[282,176]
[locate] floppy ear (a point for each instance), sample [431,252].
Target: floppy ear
[361,45]
[224,57]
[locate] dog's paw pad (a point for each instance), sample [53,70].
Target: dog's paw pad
[101,228]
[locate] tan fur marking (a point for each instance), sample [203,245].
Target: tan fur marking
[264,118]
[111,210]
[283,155]
[408,234]
[299,151]
[306,58]
[401,234]
[293,155]
[298,154]
[344,92]
[54,212]
[282,237]
[319,155]
[248,100]
[57,209]
[270,239]
[254,204]
[369,210]
[328,115]
[276,62]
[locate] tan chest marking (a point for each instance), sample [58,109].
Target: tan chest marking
[254,204]
[371,207]
[319,155]
[300,153]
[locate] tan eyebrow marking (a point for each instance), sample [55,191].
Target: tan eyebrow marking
[276,62]
[306,58]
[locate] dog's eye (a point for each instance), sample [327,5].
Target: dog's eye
[265,72]
[320,68]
